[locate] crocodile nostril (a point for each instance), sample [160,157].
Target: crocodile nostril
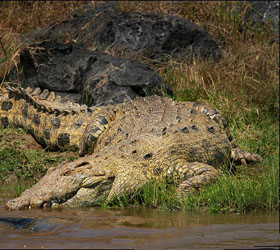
[147,156]
[184,130]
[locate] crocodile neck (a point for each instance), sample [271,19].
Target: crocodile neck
[55,124]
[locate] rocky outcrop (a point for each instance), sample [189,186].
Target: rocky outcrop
[89,76]
[132,34]
[261,12]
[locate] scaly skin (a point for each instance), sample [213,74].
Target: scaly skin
[54,124]
[146,138]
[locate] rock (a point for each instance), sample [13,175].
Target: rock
[132,34]
[100,78]
[17,223]
[261,12]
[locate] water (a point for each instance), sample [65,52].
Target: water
[97,228]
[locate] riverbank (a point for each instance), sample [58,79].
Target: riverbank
[243,86]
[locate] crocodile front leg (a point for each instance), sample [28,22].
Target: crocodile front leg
[191,176]
[239,155]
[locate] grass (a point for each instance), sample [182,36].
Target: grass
[20,166]
[243,86]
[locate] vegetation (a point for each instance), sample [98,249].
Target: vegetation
[22,163]
[243,86]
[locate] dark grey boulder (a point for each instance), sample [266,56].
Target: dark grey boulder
[96,77]
[132,34]
[261,12]
[18,223]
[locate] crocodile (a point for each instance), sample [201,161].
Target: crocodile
[122,147]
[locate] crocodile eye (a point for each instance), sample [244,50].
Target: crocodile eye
[147,156]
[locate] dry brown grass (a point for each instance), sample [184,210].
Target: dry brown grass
[18,17]
[246,77]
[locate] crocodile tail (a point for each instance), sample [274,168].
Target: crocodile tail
[44,100]
[54,123]
[4,106]
[99,123]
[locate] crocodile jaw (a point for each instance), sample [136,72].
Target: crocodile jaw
[85,196]
[70,184]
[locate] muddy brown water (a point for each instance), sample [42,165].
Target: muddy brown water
[137,228]
[97,228]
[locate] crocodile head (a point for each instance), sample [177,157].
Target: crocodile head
[73,184]
[84,182]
